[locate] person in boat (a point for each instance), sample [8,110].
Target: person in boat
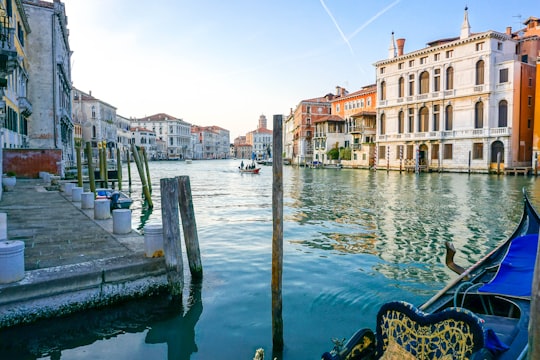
[242,164]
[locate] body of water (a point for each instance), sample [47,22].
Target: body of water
[353,240]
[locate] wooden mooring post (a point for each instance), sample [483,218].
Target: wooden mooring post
[148,179]
[277,237]
[128,159]
[91,177]
[79,166]
[140,168]
[189,225]
[171,237]
[119,167]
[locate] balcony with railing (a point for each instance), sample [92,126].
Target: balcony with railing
[8,53]
[25,106]
[448,134]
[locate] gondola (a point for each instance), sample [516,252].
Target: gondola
[482,314]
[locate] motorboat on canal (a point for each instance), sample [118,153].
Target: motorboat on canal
[482,314]
[249,170]
[119,199]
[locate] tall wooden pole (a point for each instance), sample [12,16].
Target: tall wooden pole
[145,157]
[91,177]
[105,165]
[79,166]
[119,167]
[277,236]
[171,237]
[145,189]
[128,159]
[534,317]
[189,226]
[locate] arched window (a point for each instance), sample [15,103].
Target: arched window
[450,78]
[383,124]
[401,87]
[448,117]
[503,113]
[401,122]
[479,115]
[383,90]
[424,82]
[497,148]
[480,72]
[423,119]
[94,131]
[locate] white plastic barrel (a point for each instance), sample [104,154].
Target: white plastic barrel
[153,240]
[3,226]
[68,188]
[11,261]
[102,209]
[76,194]
[87,200]
[121,221]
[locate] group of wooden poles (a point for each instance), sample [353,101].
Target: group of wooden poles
[139,156]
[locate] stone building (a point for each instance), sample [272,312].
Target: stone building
[260,140]
[15,107]
[210,142]
[49,77]
[456,105]
[301,124]
[98,121]
[174,131]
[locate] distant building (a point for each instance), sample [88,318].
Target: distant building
[49,75]
[303,118]
[260,140]
[242,150]
[463,103]
[145,138]
[358,109]
[174,131]
[210,142]
[98,121]
[123,135]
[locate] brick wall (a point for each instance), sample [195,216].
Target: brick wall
[27,163]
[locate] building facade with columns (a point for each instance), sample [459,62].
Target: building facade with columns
[456,105]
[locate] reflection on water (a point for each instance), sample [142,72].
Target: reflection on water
[353,239]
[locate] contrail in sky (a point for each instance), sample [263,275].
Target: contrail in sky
[370,21]
[337,26]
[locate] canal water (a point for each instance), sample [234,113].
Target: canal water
[353,240]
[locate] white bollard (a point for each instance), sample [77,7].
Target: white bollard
[102,209]
[153,240]
[121,221]
[87,200]
[76,193]
[11,261]
[68,188]
[3,226]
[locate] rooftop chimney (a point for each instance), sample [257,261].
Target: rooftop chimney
[400,46]
[509,30]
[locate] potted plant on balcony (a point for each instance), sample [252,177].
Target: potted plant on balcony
[9,180]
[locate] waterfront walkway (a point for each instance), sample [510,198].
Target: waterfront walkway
[67,252]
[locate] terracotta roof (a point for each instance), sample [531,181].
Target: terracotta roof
[335,118]
[364,113]
[159,117]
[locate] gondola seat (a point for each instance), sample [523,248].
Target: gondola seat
[403,332]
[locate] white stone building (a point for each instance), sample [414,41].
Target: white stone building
[452,106]
[145,138]
[98,121]
[174,131]
[49,74]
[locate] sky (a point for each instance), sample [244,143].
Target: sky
[225,63]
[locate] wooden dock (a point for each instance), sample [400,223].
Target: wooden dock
[517,171]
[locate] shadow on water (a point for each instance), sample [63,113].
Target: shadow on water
[166,322]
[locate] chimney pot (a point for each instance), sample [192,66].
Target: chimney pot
[400,46]
[508,30]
